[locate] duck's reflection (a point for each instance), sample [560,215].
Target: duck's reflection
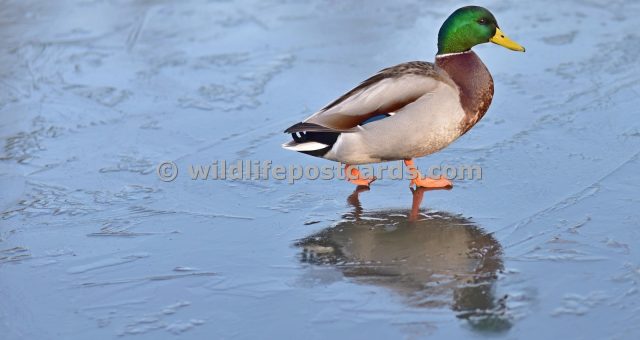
[434,260]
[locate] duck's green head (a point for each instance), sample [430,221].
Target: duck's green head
[470,26]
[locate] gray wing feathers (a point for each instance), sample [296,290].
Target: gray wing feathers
[388,91]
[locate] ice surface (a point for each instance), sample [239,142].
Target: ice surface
[95,94]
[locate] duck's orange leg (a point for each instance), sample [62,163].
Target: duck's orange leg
[426,182]
[353,175]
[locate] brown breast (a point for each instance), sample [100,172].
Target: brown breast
[474,81]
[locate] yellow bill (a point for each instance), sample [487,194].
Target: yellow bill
[502,40]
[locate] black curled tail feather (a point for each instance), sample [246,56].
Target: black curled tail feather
[299,137]
[309,132]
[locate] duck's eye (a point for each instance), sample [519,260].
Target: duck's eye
[483,21]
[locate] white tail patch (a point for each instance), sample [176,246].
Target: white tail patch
[307,146]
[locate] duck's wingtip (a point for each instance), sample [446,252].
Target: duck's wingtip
[294,128]
[311,127]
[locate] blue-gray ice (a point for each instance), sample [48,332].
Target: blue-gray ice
[95,94]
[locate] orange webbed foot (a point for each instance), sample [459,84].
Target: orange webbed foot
[363,181]
[426,182]
[354,176]
[430,183]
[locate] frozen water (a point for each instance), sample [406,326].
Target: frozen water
[95,94]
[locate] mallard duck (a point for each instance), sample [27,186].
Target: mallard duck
[412,109]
